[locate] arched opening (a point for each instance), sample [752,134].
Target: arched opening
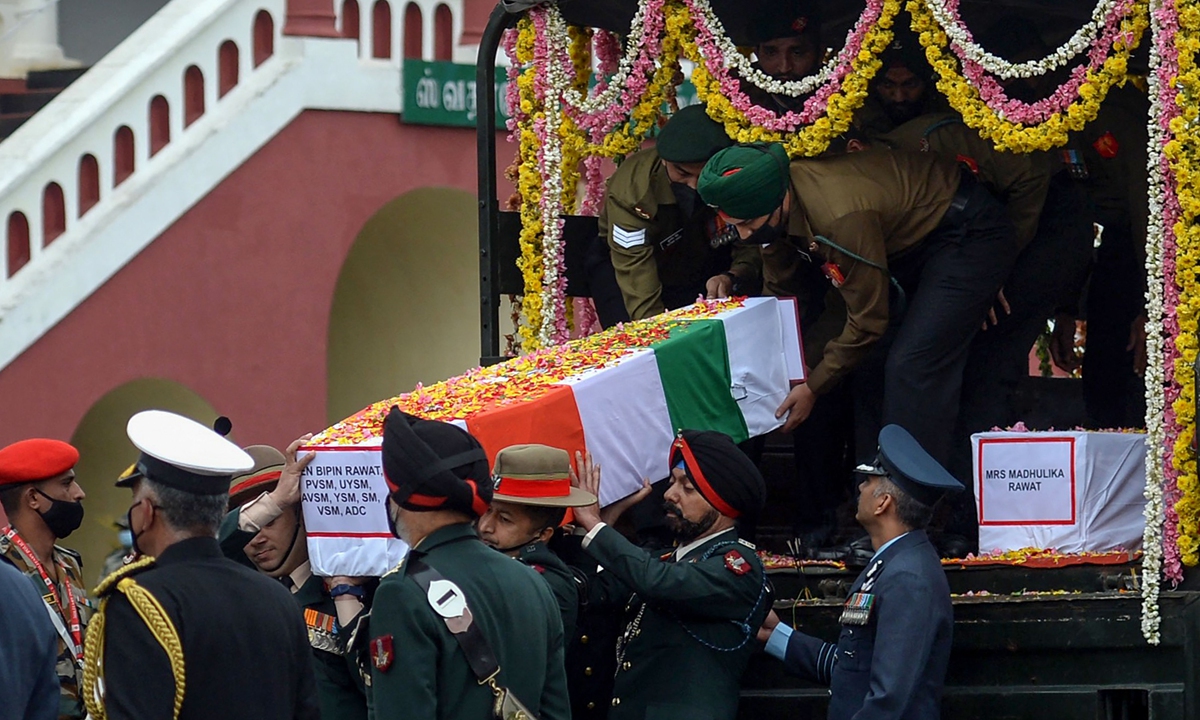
[264,37]
[18,242]
[381,30]
[413,41]
[123,159]
[160,124]
[443,33]
[388,294]
[350,19]
[227,70]
[89,183]
[193,95]
[105,452]
[54,213]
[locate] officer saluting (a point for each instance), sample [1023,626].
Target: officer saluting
[183,632]
[696,609]
[890,659]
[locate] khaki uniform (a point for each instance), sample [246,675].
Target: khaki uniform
[70,672]
[1019,181]
[875,204]
[662,257]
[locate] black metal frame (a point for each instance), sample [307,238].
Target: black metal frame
[489,203]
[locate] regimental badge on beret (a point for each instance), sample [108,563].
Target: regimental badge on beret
[381,652]
[735,563]
[1107,146]
[799,24]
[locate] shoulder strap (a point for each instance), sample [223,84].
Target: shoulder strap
[448,601]
[902,297]
[160,625]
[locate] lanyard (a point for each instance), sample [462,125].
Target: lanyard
[76,639]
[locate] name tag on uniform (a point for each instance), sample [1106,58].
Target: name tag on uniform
[857,610]
[671,239]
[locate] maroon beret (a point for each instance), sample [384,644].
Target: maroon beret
[35,459]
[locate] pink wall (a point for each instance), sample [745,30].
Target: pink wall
[233,300]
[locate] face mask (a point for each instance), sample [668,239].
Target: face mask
[125,537]
[64,517]
[767,233]
[133,536]
[687,198]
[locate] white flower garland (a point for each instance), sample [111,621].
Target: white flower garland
[954,28]
[616,85]
[1155,512]
[734,59]
[551,172]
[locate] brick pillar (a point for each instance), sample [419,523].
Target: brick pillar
[312,18]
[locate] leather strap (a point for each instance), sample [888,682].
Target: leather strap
[474,645]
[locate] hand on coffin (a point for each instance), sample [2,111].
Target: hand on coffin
[797,405]
[588,478]
[287,491]
[718,287]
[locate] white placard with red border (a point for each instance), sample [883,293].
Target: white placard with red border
[344,499]
[1068,491]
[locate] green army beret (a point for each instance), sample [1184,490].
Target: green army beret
[691,136]
[745,181]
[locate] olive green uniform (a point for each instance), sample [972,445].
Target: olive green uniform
[662,256]
[339,686]
[418,670]
[70,672]
[1019,181]
[692,629]
[559,578]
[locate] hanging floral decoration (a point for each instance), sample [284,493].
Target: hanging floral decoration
[578,97]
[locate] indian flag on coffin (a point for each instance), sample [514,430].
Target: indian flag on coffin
[621,394]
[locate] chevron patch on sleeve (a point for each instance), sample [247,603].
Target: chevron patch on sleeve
[628,238]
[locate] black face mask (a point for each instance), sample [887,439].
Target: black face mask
[767,233]
[901,112]
[137,551]
[64,516]
[686,198]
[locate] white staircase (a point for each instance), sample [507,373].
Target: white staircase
[236,46]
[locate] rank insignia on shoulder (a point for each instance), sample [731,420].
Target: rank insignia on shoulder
[641,213]
[540,568]
[748,544]
[735,563]
[857,610]
[381,652]
[666,556]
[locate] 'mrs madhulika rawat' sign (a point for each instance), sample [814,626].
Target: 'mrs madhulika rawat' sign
[344,500]
[1073,491]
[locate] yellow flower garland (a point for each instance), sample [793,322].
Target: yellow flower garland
[1016,137]
[814,139]
[529,185]
[1182,154]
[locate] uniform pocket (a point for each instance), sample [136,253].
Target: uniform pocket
[855,646]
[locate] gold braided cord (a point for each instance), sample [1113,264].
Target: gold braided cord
[107,584]
[93,651]
[155,617]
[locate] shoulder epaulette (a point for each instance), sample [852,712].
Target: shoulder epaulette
[72,553]
[109,583]
[393,571]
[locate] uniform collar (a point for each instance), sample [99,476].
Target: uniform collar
[301,575]
[887,545]
[682,552]
[444,535]
[195,548]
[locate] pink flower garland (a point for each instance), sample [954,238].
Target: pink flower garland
[1033,113]
[814,107]
[1167,71]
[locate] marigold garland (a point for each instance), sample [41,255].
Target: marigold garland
[1006,135]
[1182,155]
